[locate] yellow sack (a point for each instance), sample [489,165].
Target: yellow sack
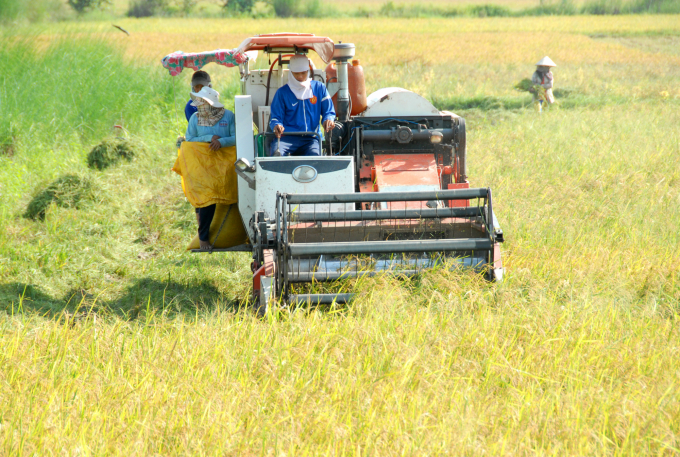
[232,234]
[207,176]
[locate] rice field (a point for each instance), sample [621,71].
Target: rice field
[114,341]
[443,58]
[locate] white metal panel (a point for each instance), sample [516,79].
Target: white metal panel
[268,183]
[243,112]
[246,203]
[395,102]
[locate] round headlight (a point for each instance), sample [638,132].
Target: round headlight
[304,173]
[436,137]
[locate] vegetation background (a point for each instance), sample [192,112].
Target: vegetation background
[115,341]
[38,10]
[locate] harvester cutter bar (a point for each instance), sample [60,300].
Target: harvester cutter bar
[337,240]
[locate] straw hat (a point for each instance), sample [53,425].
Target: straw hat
[211,96]
[546,62]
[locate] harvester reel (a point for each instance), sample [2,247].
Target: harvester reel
[318,243]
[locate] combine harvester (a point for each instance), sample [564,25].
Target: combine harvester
[390,193]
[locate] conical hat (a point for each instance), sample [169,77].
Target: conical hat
[546,62]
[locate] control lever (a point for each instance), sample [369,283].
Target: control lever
[330,142]
[277,153]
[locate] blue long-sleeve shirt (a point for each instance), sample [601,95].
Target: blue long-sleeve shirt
[225,128]
[301,115]
[189,109]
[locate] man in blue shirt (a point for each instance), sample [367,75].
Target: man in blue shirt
[297,107]
[199,80]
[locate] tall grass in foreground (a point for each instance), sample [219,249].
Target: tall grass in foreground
[444,365]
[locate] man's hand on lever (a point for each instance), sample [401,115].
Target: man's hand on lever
[278,131]
[215,143]
[329,125]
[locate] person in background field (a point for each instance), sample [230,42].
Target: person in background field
[543,81]
[211,123]
[199,80]
[297,107]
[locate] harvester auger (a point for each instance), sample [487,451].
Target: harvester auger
[389,194]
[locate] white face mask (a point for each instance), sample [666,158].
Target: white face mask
[301,90]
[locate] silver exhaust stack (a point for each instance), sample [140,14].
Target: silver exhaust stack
[344,52]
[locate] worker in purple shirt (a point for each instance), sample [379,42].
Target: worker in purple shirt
[297,107]
[199,80]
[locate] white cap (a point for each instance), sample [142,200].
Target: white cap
[298,63]
[211,96]
[546,62]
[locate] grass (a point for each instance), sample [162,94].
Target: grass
[115,341]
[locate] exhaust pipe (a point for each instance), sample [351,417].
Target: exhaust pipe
[342,55]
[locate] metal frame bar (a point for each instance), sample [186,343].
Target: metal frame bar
[326,276]
[379,214]
[388,135]
[319,299]
[389,247]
